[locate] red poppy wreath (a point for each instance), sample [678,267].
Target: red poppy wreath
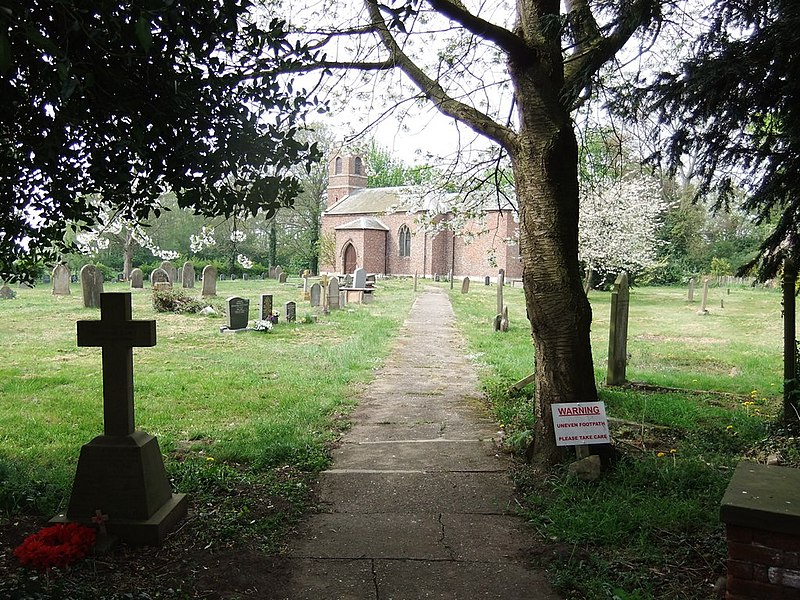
[56,546]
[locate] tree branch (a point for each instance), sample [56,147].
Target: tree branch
[593,48]
[502,37]
[432,89]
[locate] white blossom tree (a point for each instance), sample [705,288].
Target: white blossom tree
[618,222]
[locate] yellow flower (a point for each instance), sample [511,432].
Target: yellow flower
[660,454]
[729,427]
[673,451]
[209,458]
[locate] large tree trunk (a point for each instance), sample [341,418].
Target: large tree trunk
[545,165]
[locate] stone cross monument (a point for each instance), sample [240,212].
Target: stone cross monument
[121,472]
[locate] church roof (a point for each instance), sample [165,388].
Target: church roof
[364,223]
[390,199]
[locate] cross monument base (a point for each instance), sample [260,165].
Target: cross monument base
[124,477]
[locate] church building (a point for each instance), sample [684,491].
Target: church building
[381,230]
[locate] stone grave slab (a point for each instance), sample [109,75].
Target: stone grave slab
[91,286]
[265,307]
[290,310]
[187,275]
[316,294]
[61,280]
[333,293]
[159,276]
[238,311]
[137,278]
[360,278]
[209,281]
[121,473]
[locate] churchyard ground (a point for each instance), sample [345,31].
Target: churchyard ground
[245,421]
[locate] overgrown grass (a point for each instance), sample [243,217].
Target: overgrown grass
[649,528]
[262,401]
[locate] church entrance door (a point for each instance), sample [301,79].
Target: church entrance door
[349,259]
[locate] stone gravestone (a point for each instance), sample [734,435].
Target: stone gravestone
[333,293]
[121,472]
[159,276]
[690,297]
[6,293]
[272,273]
[61,279]
[487,280]
[238,312]
[265,307]
[504,320]
[45,278]
[316,291]
[290,310]
[91,285]
[209,281]
[171,270]
[618,332]
[282,278]
[306,293]
[187,275]
[137,278]
[703,310]
[278,272]
[465,285]
[360,278]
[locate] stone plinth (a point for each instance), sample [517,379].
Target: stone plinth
[762,518]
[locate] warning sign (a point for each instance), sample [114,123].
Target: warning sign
[579,423]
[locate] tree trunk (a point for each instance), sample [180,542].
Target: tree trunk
[545,162]
[127,256]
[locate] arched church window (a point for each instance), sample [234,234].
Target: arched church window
[358,166]
[337,165]
[405,240]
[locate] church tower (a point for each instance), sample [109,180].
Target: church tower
[346,174]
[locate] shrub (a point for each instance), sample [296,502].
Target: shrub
[176,301]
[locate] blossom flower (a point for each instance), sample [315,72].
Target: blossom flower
[238,236]
[244,261]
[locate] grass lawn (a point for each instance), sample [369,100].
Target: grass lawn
[650,527]
[246,419]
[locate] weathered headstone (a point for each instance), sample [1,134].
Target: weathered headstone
[333,293]
[342,298]
[278,271]
[137,278]
[238,312]
[45,278]
[618,332]
[91,285]
[290,310]
[6,293]
[265,307]
[187,275]
[360,278]
[690,297]
[306,295]
[465,285]
[703,310]
[504,320]
[121,472]
[159,276]
[282,278]
[171,271]
[209,281]
[436,277]
[272,273]
[245,277]
[501,279]
[61,279]
[316,294]
[487,280]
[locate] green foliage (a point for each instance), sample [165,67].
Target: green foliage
[732,107]
[101,69]
[177,301]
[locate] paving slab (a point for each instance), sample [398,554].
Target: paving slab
[430,455]
[372,492]
[404,580]
[418,502]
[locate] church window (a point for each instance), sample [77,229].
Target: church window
[405,241]
[337,166]
[358,166]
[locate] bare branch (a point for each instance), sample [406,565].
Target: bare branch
[432,89]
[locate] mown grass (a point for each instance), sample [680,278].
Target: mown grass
[649,528]
[262,400]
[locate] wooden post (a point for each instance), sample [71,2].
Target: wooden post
[790,405]
[618,332]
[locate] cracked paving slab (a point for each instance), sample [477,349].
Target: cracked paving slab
[417,502]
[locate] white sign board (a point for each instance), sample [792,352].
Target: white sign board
[578,423]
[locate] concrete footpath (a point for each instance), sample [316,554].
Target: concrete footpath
[417,503]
